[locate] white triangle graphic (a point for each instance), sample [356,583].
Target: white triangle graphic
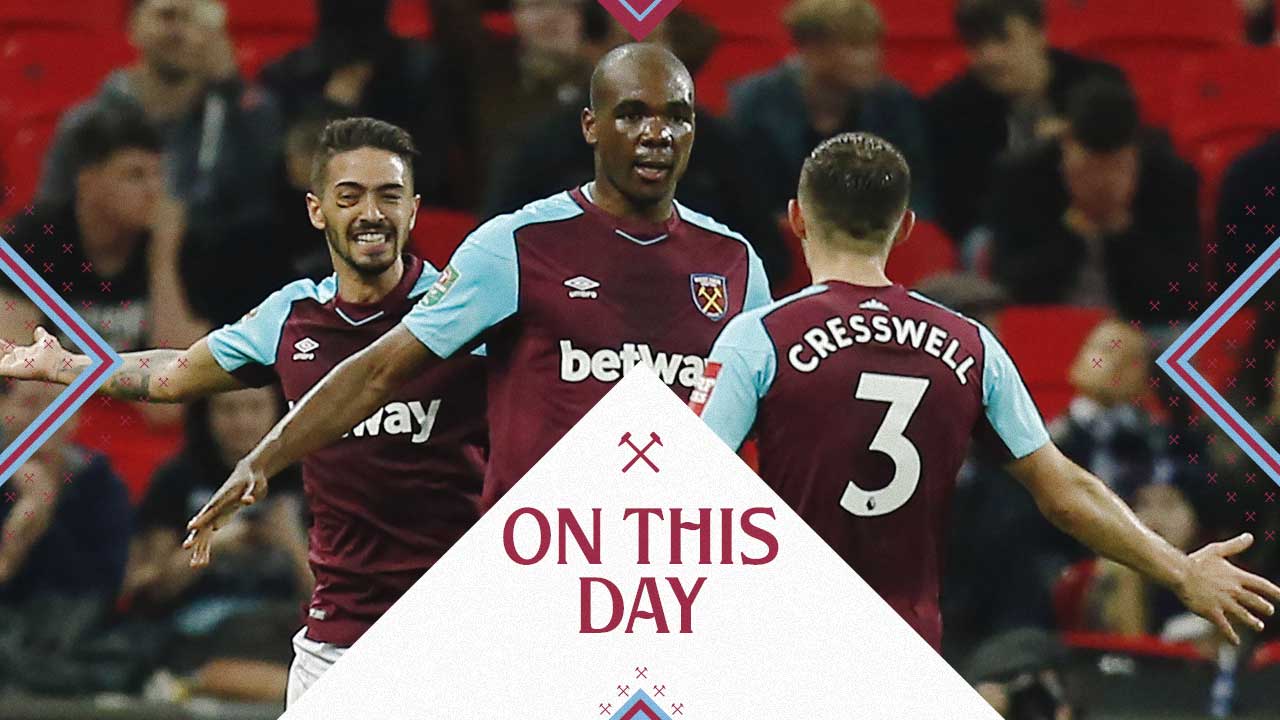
[480,636]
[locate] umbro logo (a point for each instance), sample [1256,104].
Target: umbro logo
[873,304]
[306,348]
[582,287]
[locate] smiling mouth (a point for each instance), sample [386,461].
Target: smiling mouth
[371,238]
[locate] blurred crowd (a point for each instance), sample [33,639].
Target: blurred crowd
[1065,182]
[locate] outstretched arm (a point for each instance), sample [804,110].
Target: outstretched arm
[157,376]
[347,395]
[1083,506]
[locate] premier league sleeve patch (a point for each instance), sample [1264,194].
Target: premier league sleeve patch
[710,294]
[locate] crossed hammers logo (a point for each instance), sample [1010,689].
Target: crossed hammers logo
[640,452]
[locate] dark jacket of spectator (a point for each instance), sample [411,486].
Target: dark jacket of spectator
[1039,259]
[719,182]
[969,128]
[769,109]
[220,157]
[405,87]
[84,551]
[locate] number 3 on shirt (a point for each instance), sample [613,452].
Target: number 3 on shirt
[903,395]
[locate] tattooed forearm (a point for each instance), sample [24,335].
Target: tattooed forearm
[128,385]
[143,372]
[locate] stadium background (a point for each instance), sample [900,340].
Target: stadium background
[1204,73]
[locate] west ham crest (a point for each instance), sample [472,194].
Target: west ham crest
[710,294]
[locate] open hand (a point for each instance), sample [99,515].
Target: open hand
[1220,592]
[40,360]
[245,487]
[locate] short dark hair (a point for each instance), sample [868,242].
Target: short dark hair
[1103,114]
[858,183]
[347,134]
[101,132]
[981,20]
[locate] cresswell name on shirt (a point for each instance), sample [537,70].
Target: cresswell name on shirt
[398,418]
[609,365]
[838,333]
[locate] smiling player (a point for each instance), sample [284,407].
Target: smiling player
[567,294]
[399,488]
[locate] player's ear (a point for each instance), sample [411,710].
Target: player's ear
[589,126]
[413,218]
[905,227]
[313,210]
[796,218]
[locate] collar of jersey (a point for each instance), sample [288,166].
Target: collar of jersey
[361,313]
[636,230]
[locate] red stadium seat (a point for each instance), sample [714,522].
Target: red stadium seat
[1043,341]
[438,233]
[1222,357]
[927,252]
[1225,103]
[923,64]
[732,60]
[98,15]
[294,16]
[22,155]
[1266,655]
[921,19]
[1150,41]
[45,71]
[1070,592]
[734,18]
[119,431]
[1225,94]
[410,18]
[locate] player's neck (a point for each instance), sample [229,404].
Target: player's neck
[846,266]
[608,198]
[360,289]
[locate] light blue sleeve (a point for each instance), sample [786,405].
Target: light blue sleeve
[478,289]
[1008,405]
[739,372]
[757,283]
[254,338]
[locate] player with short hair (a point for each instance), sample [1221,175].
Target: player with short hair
[568,293]
[864,397]
[400,487]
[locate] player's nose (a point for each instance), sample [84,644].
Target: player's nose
[369,210]
[656,131]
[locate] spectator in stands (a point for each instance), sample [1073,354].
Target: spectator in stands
[220,137]
[246,605]
[1021,673]
[508,85]
[1105,429]
[1123,602]
[65,518]
[113,247]
[550,157]
[1260,21]
[834,83]
[355,65]
[1014,93]
[221,285]
[1103,215]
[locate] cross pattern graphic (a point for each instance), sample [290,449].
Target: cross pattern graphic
[102,361]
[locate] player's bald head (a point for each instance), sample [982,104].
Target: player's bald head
[628,63]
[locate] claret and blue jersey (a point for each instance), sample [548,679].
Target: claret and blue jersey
[864,401]
[567,298]
[402,486]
